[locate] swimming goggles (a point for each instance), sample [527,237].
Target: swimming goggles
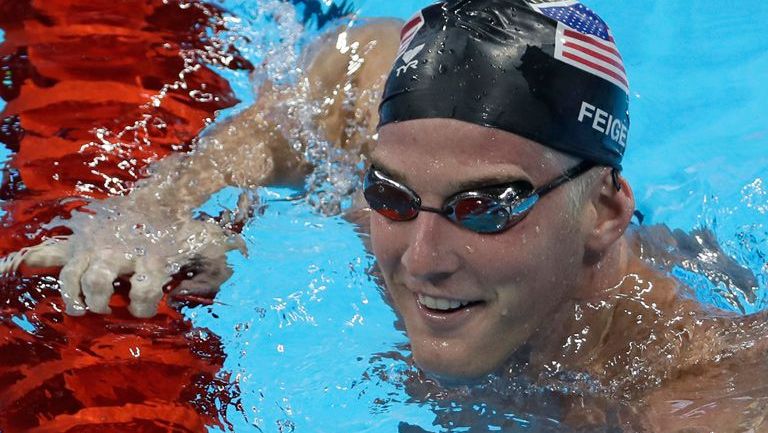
[490,209]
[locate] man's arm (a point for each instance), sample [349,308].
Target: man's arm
[150,233]
[343,78]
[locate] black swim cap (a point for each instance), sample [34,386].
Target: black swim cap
[543,69]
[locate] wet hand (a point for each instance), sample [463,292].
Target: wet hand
[115,240]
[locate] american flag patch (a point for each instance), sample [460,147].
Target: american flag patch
[409,32]
[584,40]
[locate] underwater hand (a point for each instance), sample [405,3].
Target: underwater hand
[114,239]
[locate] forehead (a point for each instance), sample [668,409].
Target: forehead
[455,146]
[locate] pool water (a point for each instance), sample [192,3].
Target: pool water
[696,158]
[310,343]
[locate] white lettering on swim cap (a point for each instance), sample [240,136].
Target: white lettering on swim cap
[616,130]
[604,123]
[586,110]
[600,119]
[623,138]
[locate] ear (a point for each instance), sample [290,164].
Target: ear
[613,212]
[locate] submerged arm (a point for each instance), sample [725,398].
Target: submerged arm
[343,76]
[150,233]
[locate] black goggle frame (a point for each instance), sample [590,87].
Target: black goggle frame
[497,207]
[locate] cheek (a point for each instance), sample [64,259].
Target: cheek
[539,255]
[385,243]
[563,260]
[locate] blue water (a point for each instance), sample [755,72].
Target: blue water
[304,325]
[300,321]
[699,125]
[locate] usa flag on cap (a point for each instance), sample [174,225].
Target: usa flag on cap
[409,32]
[584,40]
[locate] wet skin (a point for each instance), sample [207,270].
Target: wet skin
[515,279]
[526,284]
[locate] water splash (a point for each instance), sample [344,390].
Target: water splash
[335,166]
[737,246]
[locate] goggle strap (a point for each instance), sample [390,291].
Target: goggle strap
[615,178]
[570,174]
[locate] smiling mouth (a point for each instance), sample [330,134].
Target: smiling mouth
[444,305]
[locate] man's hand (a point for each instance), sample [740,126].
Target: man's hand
[150,247]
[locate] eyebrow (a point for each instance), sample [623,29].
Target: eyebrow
[487,181]
[393,173]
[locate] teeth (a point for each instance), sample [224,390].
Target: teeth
[440,303]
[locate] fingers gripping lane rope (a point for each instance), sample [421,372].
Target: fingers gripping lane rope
[97,283]
[69,278]
[146,288]
[91,263]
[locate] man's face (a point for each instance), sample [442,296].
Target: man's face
[514,279]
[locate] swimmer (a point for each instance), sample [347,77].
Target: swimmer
[499,217]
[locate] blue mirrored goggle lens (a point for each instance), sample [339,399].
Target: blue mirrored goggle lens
[479,214]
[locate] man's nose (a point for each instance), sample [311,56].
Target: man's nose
[430,255]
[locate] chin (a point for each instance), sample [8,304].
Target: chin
[455,371]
